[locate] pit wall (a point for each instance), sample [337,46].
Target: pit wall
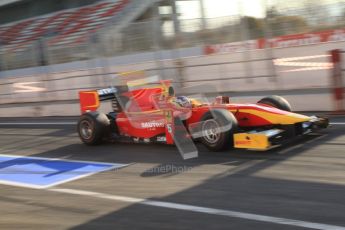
[301,74]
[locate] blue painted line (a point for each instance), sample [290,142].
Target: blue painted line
[44,172]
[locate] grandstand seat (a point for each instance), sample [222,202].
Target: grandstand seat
[64,27]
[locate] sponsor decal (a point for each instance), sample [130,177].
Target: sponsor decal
[278,42]
[247,142]
[168,116]
[162,139]
[169,127]
[46,172]
[27,87]
[303,63]
[152,124]
[106,91]
[231,47]
[147,140]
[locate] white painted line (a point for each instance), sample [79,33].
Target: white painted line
[75,123]
[38,123]
[97,195]
[199,209]
[18,184]
[337,123]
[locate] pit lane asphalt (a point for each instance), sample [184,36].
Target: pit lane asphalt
[304,181]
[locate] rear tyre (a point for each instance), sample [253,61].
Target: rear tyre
[218,127]
[92,127]
[276,102]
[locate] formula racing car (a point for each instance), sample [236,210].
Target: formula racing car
[155,115]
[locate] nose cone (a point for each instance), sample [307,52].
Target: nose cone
[277,116]
[292,118]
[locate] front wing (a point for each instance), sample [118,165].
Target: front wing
[267,139]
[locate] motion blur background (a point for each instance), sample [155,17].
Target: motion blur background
[50,50]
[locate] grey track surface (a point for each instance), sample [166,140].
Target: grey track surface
[303,181]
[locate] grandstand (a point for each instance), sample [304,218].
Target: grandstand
[41,32]
[63,27]
[70,24]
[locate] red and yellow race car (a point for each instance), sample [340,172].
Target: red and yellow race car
[155,115]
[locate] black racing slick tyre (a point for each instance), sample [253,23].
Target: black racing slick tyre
[92,127]
[276,102]
[218,127]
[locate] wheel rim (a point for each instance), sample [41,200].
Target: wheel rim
[86,129]
[211,131]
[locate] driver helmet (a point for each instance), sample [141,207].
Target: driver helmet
[183,101]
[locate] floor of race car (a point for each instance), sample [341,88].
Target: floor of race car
[127,186]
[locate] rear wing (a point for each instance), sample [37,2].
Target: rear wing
[119,95]
[90,100]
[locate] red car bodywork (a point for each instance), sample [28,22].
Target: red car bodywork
[149,112]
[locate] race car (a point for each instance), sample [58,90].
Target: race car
[156,115]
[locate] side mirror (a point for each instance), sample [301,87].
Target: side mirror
[171,91]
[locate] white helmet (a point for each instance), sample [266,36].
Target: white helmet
[183,101]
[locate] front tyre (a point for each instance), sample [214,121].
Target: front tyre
[218,127]
[92,127]
[276,102]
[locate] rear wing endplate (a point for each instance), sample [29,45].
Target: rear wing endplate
[90,100]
